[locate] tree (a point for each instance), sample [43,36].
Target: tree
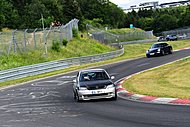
[184,19]
[8,15]
[34,13]
[55,9]
[114,16]
[132,18]
[71,10]
[145,13]
[109,13]
[164,22]
[146,23]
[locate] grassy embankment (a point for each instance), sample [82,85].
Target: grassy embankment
[167,81]
[125,30]
[127,34]
[75,48]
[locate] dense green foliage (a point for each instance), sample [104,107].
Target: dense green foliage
[75,33]
[160,19]
[56,46]
[22,14]
[64,42]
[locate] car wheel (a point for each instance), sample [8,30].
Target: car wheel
[115,98]
[162,52]
[148,56]
[74,95]
[77,97]
[170,52]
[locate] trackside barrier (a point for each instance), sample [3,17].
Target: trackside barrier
[135,42]
[41,68]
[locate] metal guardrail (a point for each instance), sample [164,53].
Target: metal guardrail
[41,68]
[135,42]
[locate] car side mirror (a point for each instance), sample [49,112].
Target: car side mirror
[112,77]
[74,80]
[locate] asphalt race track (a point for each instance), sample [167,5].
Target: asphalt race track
[49,103]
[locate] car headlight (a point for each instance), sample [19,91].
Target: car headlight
[110,86]
[82,88]
[158,50]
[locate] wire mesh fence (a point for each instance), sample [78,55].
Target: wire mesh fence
[101,35]
[135,36]
[109,38]
[20,41]
[182,33]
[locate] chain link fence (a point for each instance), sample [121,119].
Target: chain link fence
[101,35]
[136,36]
[20,41]
[109,38]
[183,33]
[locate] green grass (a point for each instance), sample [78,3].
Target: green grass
[127,34]
[125,30]
[75,48]
[168,81]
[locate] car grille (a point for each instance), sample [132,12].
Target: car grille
[91,95]
[96,87]
[153,51]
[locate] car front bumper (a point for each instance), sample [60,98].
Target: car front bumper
[153,53]
[96,94]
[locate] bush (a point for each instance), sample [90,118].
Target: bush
[75,32]
[56,46]
[64,42]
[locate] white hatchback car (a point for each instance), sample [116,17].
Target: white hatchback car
[94,84]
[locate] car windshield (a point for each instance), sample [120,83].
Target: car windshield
[157,45]
[91,76]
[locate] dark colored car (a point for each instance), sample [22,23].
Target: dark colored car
[94,84]
[159,49]
[171,38]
